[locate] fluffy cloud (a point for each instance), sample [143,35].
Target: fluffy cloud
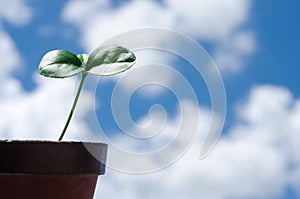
[257,158]
[232,53]
[214,21]
[41,113]
[10,58]
[16,12]
[37,114]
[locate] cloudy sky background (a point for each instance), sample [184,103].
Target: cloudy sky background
[255,45]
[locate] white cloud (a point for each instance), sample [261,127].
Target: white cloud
[201,19]
[215,21]
[209,19]
[16,12]
[100,22]
[41,113]
[232,53]
[10,58]
[38,114]
[257,158]
[157,130]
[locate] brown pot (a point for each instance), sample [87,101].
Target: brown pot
[50,170]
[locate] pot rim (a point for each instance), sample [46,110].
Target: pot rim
[52,157]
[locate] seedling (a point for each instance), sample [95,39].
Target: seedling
[103,61]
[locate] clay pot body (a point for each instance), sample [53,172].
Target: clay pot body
[48,170]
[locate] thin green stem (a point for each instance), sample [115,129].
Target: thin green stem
[83,76]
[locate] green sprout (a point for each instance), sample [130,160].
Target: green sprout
[103,61]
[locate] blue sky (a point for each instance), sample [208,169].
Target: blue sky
[255,45]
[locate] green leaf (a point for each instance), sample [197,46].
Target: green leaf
[109,60]
[60,64]
[83,58]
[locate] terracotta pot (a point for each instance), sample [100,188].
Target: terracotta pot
[50,170]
